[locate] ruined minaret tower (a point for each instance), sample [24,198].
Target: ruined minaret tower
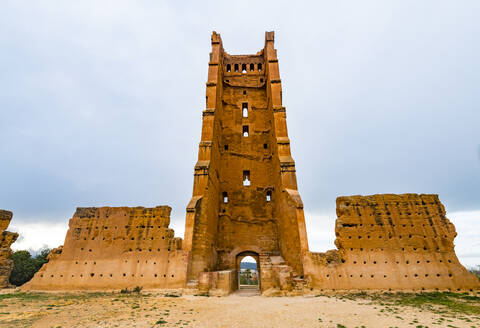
[245,197]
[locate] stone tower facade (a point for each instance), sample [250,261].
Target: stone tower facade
[245,197]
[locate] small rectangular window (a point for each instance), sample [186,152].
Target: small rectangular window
[245,109]
[225,197]
[225,147]
[269,195]
[246,178]
[245,130]
[265,146]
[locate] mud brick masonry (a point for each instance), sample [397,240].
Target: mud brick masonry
[245,202]
[8,238]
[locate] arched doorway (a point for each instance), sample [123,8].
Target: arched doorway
[248,271]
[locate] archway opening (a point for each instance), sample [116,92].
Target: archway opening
[248,271]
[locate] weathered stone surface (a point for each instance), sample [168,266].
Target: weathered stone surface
[7,239]
[114,248]
[391,242]
[244,137]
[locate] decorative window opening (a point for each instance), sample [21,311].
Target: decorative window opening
[265,146]
[269,195]
[259,67]
[244,92]
[244,68]
[245,109]
[225,147]
[246,178]
[229,68]
[225,197]
[261,80]
[252,67]
[245,130]
[236,67]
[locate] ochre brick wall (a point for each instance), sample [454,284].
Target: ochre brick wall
[7,238]
[391,242]
[114,248]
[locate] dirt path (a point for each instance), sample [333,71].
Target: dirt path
[156,310]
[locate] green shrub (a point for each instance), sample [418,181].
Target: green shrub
[25,266]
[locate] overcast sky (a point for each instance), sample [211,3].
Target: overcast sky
[101,102]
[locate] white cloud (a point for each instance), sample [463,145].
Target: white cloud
[35,236]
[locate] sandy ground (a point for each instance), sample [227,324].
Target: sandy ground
[156,310]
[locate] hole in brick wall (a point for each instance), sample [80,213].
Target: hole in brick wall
[155,275]
[418,261]
[229,67]
[361,276]
[236,67]
[245,109]
[244,92]
[416,275]
[225,147]
[426,274]
[408,262]
[227,81]
[371,276]
[354,262]
[384,276]
[450,275]
[259,67]
[261,80]
[225,197]
[364,262]
[244,68]
[92,274]
[438,274]
[246,178]
[265,146]
[449,261]
[252,67]
[374,262]
[111,275]
[164,276]
[245,130]
[361,249]
[328,275]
